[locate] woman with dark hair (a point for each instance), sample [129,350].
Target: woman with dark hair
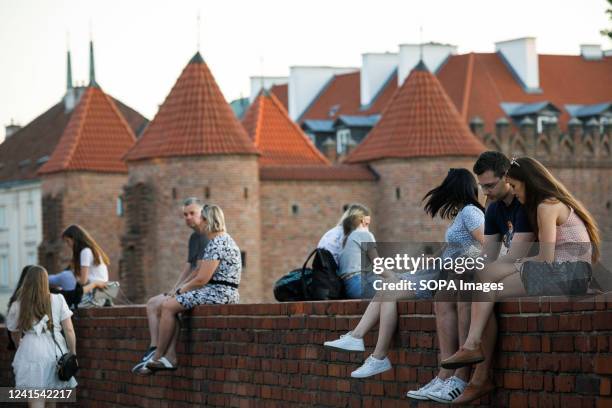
[568,244]
[456,199]
[89,262]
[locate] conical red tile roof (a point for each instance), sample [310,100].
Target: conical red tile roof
[420,121]
[96,137]
[195,119]
[277,137]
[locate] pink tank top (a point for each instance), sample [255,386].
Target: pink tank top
[573,242]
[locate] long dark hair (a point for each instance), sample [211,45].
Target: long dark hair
[81,240]
[541,185]
[458,189]
[15,294]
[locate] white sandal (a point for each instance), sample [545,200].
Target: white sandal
[161,365]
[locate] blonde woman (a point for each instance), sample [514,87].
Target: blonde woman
[214,281]
[332,239]
[32,319]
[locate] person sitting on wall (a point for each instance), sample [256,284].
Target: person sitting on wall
[332,239]
[192,215]
[89,265]
[215,281]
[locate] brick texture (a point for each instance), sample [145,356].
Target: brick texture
[84,198]
[272,355]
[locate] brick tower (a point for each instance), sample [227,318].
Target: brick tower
[83,179]
[418,138]
[194,146]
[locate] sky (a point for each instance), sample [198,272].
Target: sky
[141,46]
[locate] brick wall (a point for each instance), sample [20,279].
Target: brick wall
[232,182]
[549,354]
[88,199]
[288,238]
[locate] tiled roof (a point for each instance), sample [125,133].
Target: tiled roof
[281,91]
[478,83]
[194,120]
[276,136]
[22,154]
[341,97]
[420,121]
[318,173]
[96,138]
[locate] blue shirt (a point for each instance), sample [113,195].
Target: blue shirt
[506,220]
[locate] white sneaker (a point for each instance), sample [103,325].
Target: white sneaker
[372,366]
[451,389]
[421,393]
[346,342]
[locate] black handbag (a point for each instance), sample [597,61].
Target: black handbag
[67,364]
[556,278]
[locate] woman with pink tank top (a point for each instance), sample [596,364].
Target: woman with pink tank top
[568,242]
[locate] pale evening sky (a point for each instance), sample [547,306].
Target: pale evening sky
[141,46]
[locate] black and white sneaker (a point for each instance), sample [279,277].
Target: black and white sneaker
[451,389]
[148,355]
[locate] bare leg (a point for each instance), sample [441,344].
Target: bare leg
[446,328]
[387,326]
[368,320]
[489,337]
[482,310]
[463,326]
[153,315]
[167,326]
[171,353]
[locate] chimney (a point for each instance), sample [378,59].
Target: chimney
[305,83]
[477,126]
[434,56]
[521,57]
[329,149]
[591,52]
[376,68]
[11,129]
[257,82]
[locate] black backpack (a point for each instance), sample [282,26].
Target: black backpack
[320,282]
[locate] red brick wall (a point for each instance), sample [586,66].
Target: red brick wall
[403,218]
[225,178]
[549,354]
[90,200]
[287,239]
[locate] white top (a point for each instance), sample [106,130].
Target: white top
[35,361]
[96,272]
[332,241]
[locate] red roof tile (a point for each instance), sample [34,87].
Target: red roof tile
[276,136]
[96,138]
[478,83]
[195,119]
[282,93]
[22,154]
[317,173]
[419,121]
[341,97]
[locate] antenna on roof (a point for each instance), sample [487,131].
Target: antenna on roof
[261,74]
[421,43]
[199,23]
[68,62]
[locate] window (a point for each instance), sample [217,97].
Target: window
[545,120]
[295,209]
[32,258]
[120,206]
[342,138]
[4,271]
[243,258]
[207,192]
[246,193]
[2,216]
[398,193]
